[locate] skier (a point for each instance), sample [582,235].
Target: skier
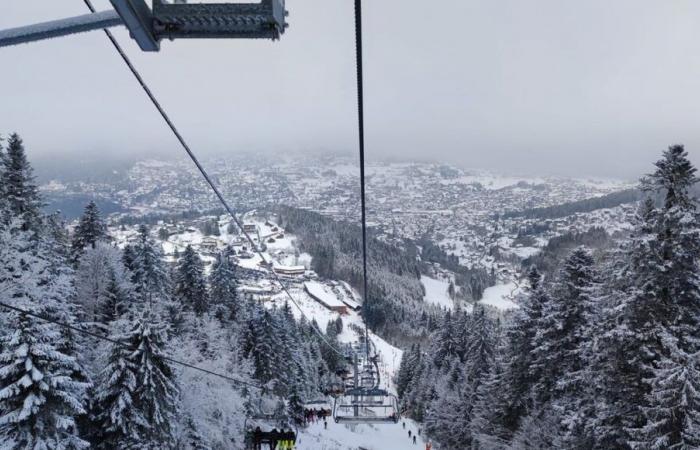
[404,425]
[257,438]
[414,439]
[325,424]
[409,434]
[274,437]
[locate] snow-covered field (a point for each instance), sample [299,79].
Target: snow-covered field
[501,296]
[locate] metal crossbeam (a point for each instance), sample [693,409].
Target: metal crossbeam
[58,28]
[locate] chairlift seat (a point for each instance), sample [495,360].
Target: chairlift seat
[366,405]
[366,419]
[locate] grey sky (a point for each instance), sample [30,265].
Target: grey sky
[552,86]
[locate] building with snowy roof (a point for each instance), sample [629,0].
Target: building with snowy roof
[325,297]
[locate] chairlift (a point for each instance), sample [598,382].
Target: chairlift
[362,405]
[364,401]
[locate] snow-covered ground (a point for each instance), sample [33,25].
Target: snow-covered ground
[436,292]
[525,252]
[500,296]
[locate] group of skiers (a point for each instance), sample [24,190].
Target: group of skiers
[315,415]
[414,436]
[277,440]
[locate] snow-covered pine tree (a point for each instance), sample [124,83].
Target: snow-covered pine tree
[295,406]
[448,416]
[19,189]
[559,332]
[627,346]
[100,269]
[296,373]
[329,349]
[39,396]
[261,344]
[128,257]
[445,345]
[136,397]
[481,348]
[519,374]
[90,230]
[539,430]
[190,287]
[115,417]
[490,404]
[450,389]
[561,345]
[410,359]
[156,394]
[421,390]
[673,410]
[149,276]
[57,235]
[42,386]
[191,438]
[115,299]
[223,283]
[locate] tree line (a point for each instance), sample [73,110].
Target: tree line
[579,206]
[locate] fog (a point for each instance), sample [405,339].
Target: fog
[593,87]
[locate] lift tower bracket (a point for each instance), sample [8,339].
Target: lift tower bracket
[138,19]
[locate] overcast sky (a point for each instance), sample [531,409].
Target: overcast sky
[594,87]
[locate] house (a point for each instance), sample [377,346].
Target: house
[257,292]
[250,228]
[172,229]
[245,254]
[325,297]
[209,245]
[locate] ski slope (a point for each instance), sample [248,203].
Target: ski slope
[354,437]
[436,292]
